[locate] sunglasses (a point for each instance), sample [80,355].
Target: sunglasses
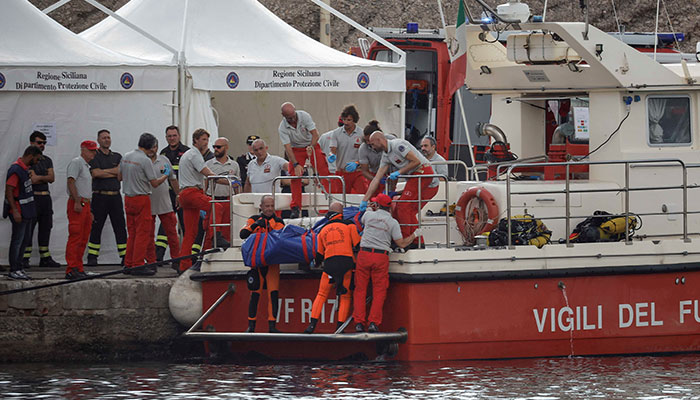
[40,141]
[218,146]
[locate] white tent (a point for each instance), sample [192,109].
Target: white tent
[57,82]
[242,62]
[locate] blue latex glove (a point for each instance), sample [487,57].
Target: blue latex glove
[363,205]
[331,158]
[383,180]
[202,214]
[351,167]
[235,183]
[166,169]
[394,175]
[392,194]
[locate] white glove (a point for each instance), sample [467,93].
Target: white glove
[418,232]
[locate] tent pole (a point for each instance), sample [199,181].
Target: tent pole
[124,21]
[359,27]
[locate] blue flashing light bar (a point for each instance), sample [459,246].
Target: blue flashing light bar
[412,27]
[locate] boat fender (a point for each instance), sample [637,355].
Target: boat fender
[252,279]
[461,211]
[185,299]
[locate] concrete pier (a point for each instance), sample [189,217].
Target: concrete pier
[106,319]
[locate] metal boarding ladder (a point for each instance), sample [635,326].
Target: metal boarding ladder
[391,339]
[627,190]
[211,185]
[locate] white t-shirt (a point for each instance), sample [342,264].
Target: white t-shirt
[347,145]
[261,176]
[299,136]
[396,152]
[324,142]
[230,167]
[191,163]
[439,169]
[380,229]
[137,173]
[160,197]
[79,170]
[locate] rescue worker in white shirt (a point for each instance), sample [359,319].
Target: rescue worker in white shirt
[428,148]
[162,207]
[373,261]
[192,199]
[408,161]
[263,170]
[345,143]
[139,178]
[223,165]
[325,142]
[370,158]
[299,136]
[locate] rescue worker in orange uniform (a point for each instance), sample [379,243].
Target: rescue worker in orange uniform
[268,277]
[335,248]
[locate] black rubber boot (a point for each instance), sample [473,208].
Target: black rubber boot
[221,242]
[251,326]
[312,326]
[48,262]
[272,327]
[92,261]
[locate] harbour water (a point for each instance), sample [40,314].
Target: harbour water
[639,377]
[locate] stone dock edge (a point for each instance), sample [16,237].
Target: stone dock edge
[94,320]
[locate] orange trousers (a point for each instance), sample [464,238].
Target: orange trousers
[79,225]
[355,183]
[270,281]
[374,267]
[321,169]
[192,201]
[169,223]
[324,289]
[406,213]
[141,229]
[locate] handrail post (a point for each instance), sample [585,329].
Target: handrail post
[627,202]
[420,209]
[686,239]
[213,211]
[447,212]
[508,205]
[567,196]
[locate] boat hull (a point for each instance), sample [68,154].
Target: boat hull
[654,310]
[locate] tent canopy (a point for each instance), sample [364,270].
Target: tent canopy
[241,61]
[219,38]
[54,81]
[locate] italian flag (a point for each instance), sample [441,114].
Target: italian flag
[458,58]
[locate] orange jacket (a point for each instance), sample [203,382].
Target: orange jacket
[338,238]
[260,224]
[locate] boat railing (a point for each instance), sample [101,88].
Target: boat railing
[420,201]
[452,162]
[536,161]
[212,181]
[329,196]
[626,189]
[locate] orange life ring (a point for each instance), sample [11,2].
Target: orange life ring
[461,210]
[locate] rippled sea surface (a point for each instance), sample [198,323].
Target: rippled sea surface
[667,377]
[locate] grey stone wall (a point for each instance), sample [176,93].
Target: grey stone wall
[97,320]
[635,15]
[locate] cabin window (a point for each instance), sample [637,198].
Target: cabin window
[668,120]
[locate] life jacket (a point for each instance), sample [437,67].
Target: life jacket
[26,192]
[524,230]
[603,227]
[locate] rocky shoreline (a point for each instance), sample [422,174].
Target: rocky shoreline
[633,15]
